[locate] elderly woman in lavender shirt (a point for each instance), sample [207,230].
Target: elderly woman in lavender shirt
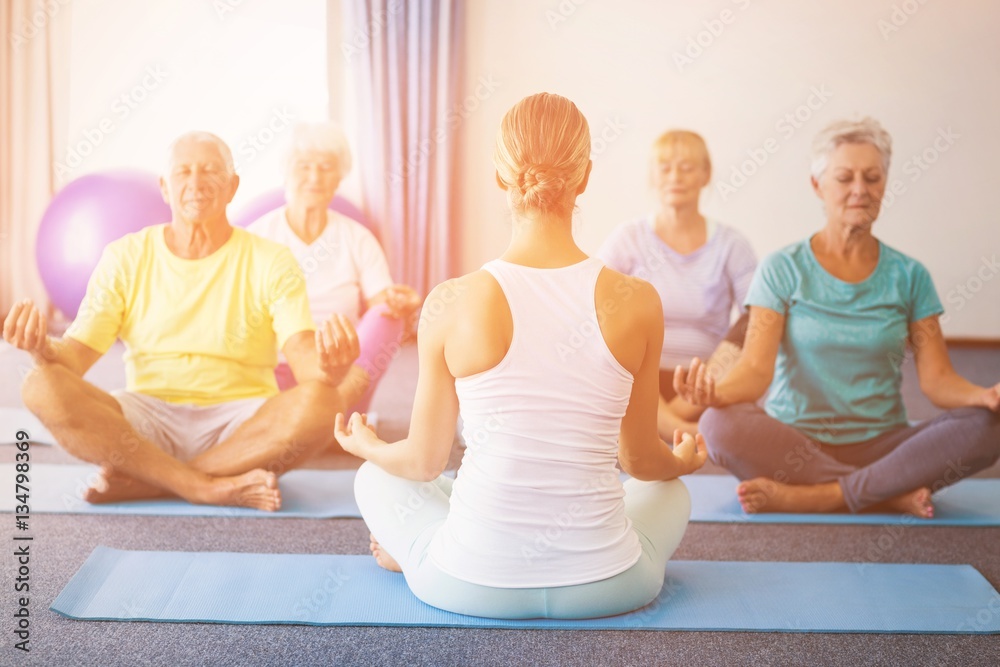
[700,267]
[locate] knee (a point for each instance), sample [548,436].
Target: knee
[663,496]
[983,434]
[376,323]
[723,428]
[305,424]
[314,397]
[40,391]
[369,476]
[376,490]
[367,483]
[678,499]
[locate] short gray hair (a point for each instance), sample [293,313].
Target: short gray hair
[326,137]
[200,136]
[864,131]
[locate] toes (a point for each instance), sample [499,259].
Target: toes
[924,497]
[266,499]
[754,502]
[922,504]
[99,482]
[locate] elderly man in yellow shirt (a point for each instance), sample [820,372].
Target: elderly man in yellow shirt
[203,308]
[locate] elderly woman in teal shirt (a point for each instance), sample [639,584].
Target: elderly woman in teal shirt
[830,321]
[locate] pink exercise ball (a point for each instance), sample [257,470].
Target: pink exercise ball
[274,199]
[83,217]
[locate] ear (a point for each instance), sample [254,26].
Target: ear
[234,184]
[586,178]
[164,192]
[708,174]
[815,184]
[503,186]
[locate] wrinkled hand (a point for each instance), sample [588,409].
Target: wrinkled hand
[355,435]
[696,384]
[26,328]
[337,346]
[991,398]
[691,452]
[401,300]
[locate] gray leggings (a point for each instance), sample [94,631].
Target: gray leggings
[934,453]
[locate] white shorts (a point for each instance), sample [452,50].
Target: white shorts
[182,430]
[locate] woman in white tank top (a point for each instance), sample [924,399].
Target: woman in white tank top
[553,361]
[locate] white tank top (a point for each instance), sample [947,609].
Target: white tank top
[538,500]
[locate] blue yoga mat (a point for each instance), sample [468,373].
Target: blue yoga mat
[971,502]
[13,420]
[319,494]
[329,493]
[308,589]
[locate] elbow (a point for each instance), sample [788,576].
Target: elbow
[640,469]
[430,470]
[763,377]
[927,389]
[428,475]
[646,475]
[931,386]
[934,395]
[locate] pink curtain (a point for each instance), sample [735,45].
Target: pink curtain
[34,89]
[407,77]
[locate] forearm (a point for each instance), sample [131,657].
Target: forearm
[744,384]
[661,467]
[307,364]
[951,390]
[402,459]
[680,410]
[57,351]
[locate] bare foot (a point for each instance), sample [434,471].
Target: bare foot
[765,495]
[115,487]
[382,557]
[257,489]
[918,503]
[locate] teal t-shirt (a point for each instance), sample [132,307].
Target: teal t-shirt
[838,373]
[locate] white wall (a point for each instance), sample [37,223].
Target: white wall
[243,69]
[934,75]
[237,67]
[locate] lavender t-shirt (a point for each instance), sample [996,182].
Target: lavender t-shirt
[699,290]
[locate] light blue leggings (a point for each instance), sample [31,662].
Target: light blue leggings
[659,512]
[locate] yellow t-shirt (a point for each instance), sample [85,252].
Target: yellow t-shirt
[199,331]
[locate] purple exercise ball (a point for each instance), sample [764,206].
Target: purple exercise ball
[85,216]
[274,199]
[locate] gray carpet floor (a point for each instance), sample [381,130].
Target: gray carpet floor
[62,543]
